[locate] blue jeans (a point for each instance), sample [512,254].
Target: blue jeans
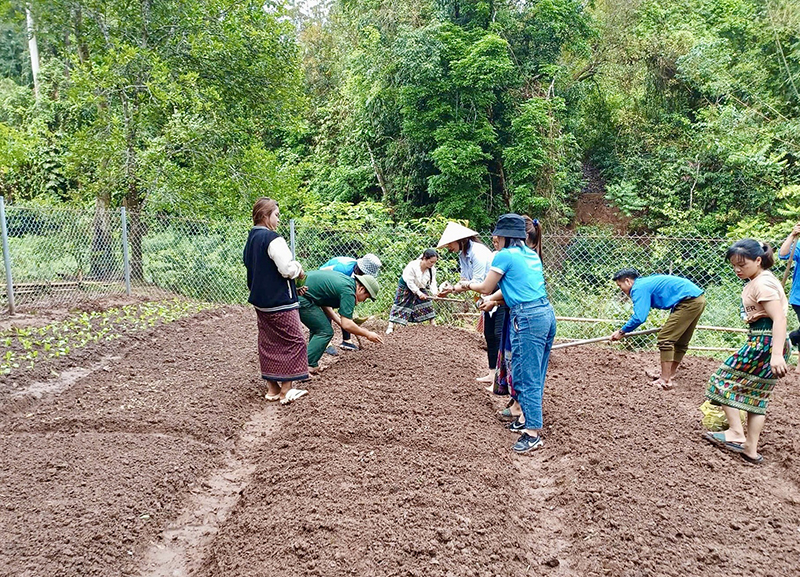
[533,328]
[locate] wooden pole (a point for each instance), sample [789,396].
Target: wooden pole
[616,321]
[449,300]
[788,264]
[601,339]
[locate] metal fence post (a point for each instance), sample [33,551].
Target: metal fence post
[291,236]
[125,259]
[7,257]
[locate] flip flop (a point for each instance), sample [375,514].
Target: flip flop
[293,395]
[718,439]
[506,415]
[272,398]
[753,461]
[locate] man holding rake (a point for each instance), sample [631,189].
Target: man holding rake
[681,297]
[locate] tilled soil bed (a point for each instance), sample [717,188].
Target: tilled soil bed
[162,458]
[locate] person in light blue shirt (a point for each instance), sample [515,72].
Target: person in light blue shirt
[794,294]
[367,264]
[680,296]
[517,269]
[474,260]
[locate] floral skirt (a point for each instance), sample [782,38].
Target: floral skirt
[409,308]
[503,382]
[745,380]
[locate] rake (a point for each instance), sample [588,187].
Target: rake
[601,339]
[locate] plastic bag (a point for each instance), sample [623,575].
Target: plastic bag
[714,418]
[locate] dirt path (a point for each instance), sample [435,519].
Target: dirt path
[164,459]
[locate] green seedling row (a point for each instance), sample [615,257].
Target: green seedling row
[25,346]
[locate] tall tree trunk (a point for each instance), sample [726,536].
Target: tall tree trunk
[378,175]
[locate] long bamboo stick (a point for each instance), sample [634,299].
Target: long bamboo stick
[601,339]
[449,300]
[615,321]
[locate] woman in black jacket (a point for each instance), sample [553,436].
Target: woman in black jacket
[271,271]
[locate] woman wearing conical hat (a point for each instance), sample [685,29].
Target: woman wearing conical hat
[474,259]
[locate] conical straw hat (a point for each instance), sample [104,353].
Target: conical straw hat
[453,232]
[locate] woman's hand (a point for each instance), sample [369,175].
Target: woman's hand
[796,230]
[423,296]
[487,305]
[778,365]
[373,337]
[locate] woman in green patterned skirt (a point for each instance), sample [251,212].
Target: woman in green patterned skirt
[745,381]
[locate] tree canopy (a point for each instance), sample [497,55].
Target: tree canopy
[689,111]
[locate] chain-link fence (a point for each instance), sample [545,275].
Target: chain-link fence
[62,257]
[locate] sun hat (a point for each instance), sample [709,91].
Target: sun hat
[510,226]
[369,264]
[454,232]
[370,283]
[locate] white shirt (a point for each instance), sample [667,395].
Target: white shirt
[279,252]
[417,280]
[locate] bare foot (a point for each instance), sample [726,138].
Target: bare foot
[663,385]
[653,373]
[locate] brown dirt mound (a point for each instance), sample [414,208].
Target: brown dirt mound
[394,464]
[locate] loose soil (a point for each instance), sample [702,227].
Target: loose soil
[160,457]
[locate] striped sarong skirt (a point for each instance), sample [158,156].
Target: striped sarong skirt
[409,308]
[281,346]
[745,380]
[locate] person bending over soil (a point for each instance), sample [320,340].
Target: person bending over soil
[684,300]
[412,302]
[746,380]
[326,290]
[367,264]
[271,271]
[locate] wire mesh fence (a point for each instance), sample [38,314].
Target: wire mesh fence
[65,257]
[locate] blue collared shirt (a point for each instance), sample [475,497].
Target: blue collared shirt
[794,295]
[658,291]
[475,264]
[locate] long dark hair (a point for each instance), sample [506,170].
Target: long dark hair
[463,244]
[751,249]
[534,231]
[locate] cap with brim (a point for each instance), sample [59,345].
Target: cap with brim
[370,283]
[510,226]
[454,232]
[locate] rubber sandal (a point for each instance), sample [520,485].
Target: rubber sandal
[718,439]
[272,398]
[293,395]
[753,461]
[506,415]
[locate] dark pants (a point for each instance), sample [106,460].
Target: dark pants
[493,332]
[794,336]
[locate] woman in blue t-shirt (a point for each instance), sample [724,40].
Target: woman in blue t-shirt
[517,269]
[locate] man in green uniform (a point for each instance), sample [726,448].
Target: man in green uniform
[327,290]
